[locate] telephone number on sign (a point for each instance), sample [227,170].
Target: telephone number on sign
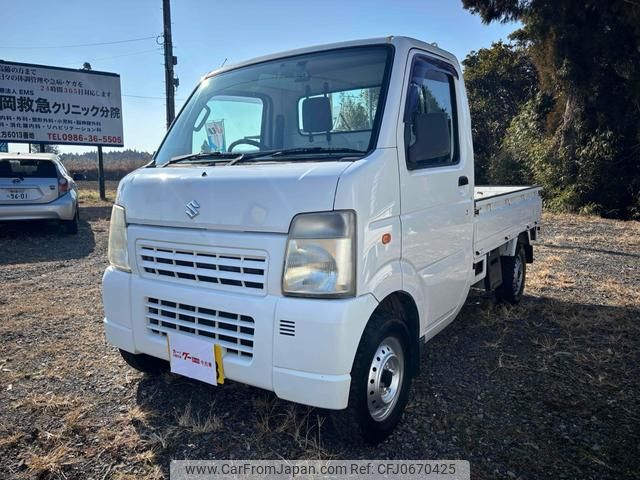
[79,137]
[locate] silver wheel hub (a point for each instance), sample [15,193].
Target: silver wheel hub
[386,374]
[519,277]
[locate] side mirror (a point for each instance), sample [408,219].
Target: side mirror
[432,137]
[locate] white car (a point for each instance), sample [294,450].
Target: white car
[36,186]
[309,221]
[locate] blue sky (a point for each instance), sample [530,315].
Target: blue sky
[206,32]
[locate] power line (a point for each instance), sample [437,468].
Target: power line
[116,56]
[85,44]
[151,98]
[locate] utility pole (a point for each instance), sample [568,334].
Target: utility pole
[170,61]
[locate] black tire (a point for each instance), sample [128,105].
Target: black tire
[514,274]
[145,363]
[71,226]
[356,423]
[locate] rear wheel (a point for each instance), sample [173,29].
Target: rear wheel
[145,363]
[71,226]
[380,381]
[514,273]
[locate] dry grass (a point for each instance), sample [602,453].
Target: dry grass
[47,402]
[561,365]
[194,422]
[547,274]
[93,196]
[51,462]
[302,424]
[9,440]
[621,293]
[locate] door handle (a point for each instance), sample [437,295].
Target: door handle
[462,181]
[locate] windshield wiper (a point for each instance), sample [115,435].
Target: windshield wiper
[316,150]
[233,158]
[204,157]
[291,152]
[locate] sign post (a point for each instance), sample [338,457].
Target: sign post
[101,174]
[62,106]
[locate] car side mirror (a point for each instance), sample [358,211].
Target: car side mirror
[432,137]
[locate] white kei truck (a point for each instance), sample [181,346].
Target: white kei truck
[309,221]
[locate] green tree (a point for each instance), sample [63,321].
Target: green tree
[357,110]
[352,114]
[587,55]
[35,148]
[499,81]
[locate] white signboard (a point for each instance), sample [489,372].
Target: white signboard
[40,104]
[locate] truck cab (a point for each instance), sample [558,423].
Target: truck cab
[309,220]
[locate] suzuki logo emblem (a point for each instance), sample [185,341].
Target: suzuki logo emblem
[192,209]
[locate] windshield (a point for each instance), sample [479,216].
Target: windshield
[318,101]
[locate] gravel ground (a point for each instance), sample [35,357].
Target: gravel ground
[548,389]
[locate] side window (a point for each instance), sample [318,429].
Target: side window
[431,130]
[225,120]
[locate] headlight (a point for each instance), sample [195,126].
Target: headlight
[319,261]
[118,254]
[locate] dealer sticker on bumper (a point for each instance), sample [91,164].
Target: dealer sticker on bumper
[195,358]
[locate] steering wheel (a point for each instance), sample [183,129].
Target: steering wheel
[247,141]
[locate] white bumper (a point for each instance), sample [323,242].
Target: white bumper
[311,367]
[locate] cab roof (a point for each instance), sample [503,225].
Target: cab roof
[402,44]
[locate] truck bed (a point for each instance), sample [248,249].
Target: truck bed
[502,213]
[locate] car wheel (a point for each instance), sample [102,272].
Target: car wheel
[514,273]
[71,226]
[380,381]
[145,363]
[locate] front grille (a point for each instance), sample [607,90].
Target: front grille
[233,331]
[205,267]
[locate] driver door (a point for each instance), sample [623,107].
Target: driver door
[437,198]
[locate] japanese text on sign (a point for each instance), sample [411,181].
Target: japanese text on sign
[40,104]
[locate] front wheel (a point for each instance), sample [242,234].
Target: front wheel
[380,381]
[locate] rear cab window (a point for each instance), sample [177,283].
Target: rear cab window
[351,110]
[27,168]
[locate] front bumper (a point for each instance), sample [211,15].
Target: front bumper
[64,208]
[311,367]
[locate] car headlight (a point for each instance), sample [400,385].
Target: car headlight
[319,261]
[118,253]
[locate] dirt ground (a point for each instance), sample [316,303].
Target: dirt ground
[548,389]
